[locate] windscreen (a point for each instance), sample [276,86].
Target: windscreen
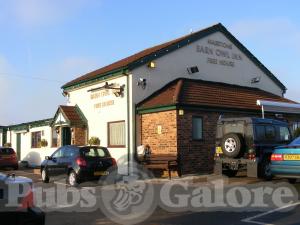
[6,151]
[296,141]
[94,152]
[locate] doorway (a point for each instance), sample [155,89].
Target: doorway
[66,136]
[19,146]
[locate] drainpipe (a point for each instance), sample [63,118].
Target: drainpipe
[128,124]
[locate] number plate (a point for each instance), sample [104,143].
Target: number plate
[219,150]
[291,157]
[101,173]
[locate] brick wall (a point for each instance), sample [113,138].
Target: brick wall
[79,136]
[197,156]
[159,130]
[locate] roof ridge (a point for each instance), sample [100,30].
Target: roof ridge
[156,51]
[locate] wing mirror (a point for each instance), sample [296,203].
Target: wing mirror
[48,158]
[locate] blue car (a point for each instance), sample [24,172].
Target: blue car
[285,161]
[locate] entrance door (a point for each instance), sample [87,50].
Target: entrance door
[66,136]
[19,146]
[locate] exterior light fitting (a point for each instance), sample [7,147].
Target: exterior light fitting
[151,65]
[142,82]
[255,80]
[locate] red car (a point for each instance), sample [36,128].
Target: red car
[8,158]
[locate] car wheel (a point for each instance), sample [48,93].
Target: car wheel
[45,177]
[230,173]
[266,169]
[231,145]
[72,179]
[292,180]
[16,167]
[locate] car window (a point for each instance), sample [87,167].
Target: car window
[69,152]
[284,134]
[296,141]
[270,133]
[260,133]
[94,152]
[6,151]
[58,153]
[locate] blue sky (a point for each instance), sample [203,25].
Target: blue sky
[44,43]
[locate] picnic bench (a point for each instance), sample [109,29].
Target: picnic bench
[162,161]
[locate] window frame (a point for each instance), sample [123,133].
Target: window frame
[202,129]
[34,132]
[109,145]
[53,129]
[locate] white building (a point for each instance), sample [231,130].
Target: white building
[106,103]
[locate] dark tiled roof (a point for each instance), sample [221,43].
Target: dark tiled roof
[165,48]
[72,114]
[210,94]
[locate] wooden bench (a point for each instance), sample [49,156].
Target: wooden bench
[162,161]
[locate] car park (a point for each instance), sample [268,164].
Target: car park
[8,158]
[78,164]
[25,213]
[247,143]
[285,161]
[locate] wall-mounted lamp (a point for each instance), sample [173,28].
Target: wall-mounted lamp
[65,94]
[142,82]
[193,69]
[151,65]
[255,80]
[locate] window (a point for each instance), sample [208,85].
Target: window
[116,134]
[284,134]
[36,139]
[197,128]
[270,132]
[58,153]
[69,151]
[94,152]
[296,125]
[54,137]
[260,133]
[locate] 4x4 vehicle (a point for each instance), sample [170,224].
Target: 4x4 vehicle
[247,144]
[77,164]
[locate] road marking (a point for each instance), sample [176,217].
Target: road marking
[251,219]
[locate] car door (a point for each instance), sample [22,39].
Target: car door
[53,163]
[66,161]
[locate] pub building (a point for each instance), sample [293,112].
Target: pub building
[169,97]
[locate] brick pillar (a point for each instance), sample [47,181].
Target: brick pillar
[79,136]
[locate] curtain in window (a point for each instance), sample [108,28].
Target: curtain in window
[117,134]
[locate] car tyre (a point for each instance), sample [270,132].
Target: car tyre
[73,179]
[292,180]
[45,176]
[230,173]
[265,170]
[232,145]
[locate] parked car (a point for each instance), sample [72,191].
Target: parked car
[285,161]
[8,158]
[77,164]
[27,214]
[247,144]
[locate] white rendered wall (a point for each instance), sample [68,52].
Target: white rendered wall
[174,65]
